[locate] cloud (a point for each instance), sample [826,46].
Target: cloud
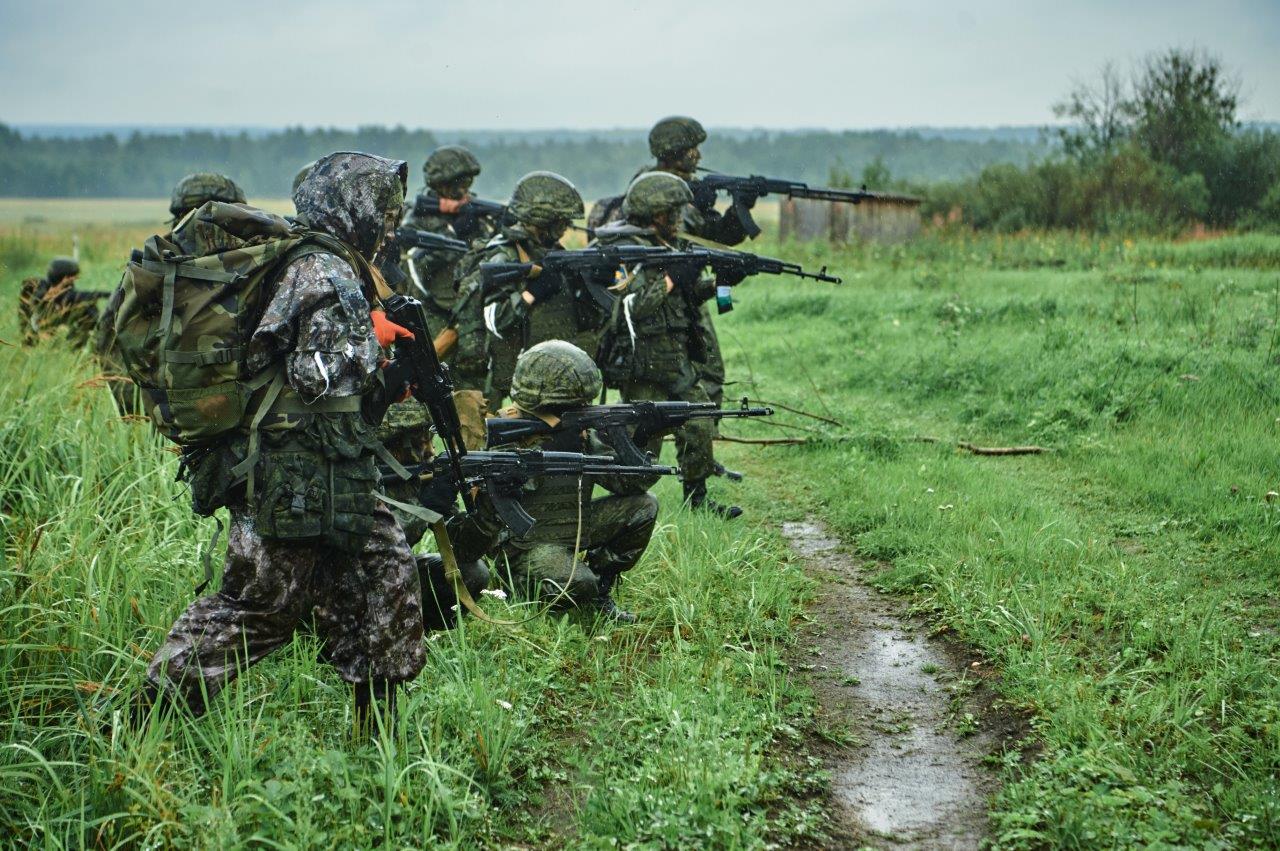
[573,63]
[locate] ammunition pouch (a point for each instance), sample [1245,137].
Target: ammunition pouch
[304,496]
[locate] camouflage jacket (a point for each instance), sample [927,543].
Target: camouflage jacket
[431,273]
[664,326]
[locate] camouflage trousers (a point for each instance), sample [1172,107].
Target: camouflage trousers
[711,372]
[694,440]
[365,607]
[615,534]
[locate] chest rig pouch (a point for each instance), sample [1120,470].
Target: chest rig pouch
[304,496]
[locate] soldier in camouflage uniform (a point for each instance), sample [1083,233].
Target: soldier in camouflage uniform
[190,193]
[580,546]
[348,568]
[655,346]
[53,302]
[674,143]
[517,316]
[449,173]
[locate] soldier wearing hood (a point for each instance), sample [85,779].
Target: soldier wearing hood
[350,574]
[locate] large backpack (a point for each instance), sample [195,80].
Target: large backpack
[189,306]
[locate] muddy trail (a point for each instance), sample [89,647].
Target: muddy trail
[915,710]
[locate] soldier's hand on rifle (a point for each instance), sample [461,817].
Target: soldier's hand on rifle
[730,277]
[541,285]
[387,331]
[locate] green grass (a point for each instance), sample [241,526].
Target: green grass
[1122,584]
[680,732]
[1125,583]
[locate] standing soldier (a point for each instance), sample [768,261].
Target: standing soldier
[656,345]
[675,144]
[288,556]
[573,556]
[515,317]
[449,173]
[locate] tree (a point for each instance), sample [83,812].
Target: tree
[1099,116]
[1183,107]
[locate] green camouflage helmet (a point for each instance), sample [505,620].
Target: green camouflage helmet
[301,176]
[542,198]
[448,165]
[554,374]
[674,134]
[654,193]
[60,268]
[195,190]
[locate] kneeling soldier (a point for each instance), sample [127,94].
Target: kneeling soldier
[580,546]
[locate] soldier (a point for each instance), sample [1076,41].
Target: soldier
[655,345]
[52,302]
[544,205]
[357,579]
[190,193]
[449,173]
[675,144]
[580,546]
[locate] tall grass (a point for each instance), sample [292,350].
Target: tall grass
[667,734]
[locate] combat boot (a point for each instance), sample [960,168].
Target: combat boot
[695,496]
[605,605]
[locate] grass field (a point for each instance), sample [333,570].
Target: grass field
[1123,584]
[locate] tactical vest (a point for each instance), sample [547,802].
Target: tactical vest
[558,503]
[658,347]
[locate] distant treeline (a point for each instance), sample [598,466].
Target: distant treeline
[1157,150]
[146,165]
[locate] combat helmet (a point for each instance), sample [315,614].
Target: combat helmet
[195,190]
[554,374]
[543,198]
[653,193]
[61,268]
[674,134]
[449,164]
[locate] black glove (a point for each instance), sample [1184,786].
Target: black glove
[745,198]
[684,275]
[704,197]
[730,277]
[544,286]
[393,381]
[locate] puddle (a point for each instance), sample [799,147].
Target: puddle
[912,781]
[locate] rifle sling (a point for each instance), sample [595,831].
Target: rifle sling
[454,574]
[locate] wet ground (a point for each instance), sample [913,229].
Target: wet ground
[911,776]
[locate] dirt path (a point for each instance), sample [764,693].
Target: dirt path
[912,777]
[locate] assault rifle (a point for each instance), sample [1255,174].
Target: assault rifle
[466,217]
[430,381]
[407,238]
[745,191]
[503,475]
[626,427]
[595,265]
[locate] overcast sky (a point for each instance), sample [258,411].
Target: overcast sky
[598,63]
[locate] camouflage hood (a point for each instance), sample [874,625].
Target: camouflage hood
[348,194]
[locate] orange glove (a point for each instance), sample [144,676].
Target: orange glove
[387,331]
[452,205]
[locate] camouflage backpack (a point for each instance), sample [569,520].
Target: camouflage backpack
[190,303]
